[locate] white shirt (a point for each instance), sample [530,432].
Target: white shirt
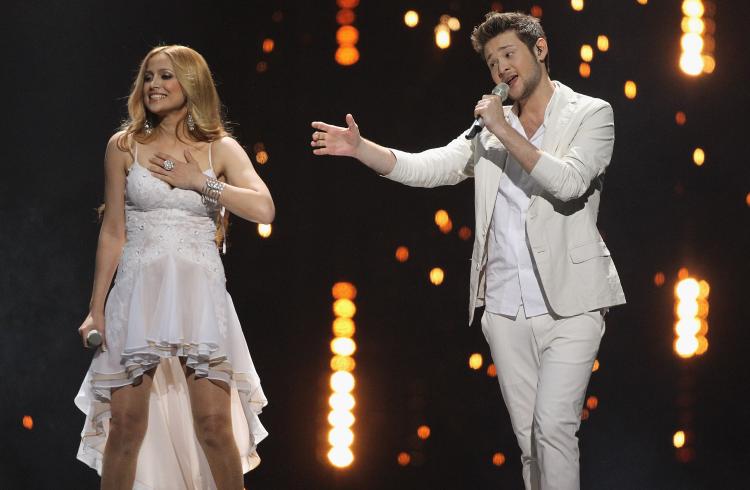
[512,280]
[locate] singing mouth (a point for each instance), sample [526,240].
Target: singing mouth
[510,81]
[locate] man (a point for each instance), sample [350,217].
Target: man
[539,265]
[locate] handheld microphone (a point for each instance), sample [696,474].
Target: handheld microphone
[94,339]
[500,89]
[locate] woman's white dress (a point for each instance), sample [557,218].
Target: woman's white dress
[169,300]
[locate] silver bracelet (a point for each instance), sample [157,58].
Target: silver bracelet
[211,192]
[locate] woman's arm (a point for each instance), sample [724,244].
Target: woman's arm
[111,236]
[245,194]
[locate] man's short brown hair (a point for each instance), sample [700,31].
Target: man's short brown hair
[527,28]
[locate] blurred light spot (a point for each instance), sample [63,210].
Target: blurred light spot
[699,156]
[411,18]
[343,363]
[403,459]
[691,63]
[340,456]
[584,69]
[264,230]
[693,8]
[577,5]
[340,436]
[685,346]
[341,401]
[442,36]
[659,279]
[344,290]
[680,118]
[678,439]
[491,370]
[402,254]
[345,17]
[536,11]
[585,414]
[437,276]
[261,67]
[693,25]
[498,459]
[261,157]
[464,233]
[691,43]
[347,35]
[587,52]
[342,382]
[687,327]
[704,289]
[423,432]
[592,402]
[453,23]
[475,361]
[642,2]
[441,217]
[747,199]
[602,43]
[343,327]
[709,63]
[496,7]
[595,367]
[683,273]
[343,346]
[27,422]
[347,4]
[344,308]
[341,418]
[631,90]
[446,227]
[347,55]
[268,45]
[702,345]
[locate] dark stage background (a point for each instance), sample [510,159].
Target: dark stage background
[69,66]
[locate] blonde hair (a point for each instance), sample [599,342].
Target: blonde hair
[203,104]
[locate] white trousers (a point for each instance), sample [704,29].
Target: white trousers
[543,366]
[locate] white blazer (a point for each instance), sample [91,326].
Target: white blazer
[576,271]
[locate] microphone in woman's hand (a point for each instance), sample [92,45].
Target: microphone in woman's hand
[94,339]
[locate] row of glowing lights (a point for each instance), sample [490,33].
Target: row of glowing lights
[347,35]
[691,311]
[341,401]
[697,50]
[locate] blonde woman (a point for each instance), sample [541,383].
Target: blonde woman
[172,397]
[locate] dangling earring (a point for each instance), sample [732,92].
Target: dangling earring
[147,127]
[190,123]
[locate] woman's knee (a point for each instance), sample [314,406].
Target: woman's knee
[128,427]
[213,429]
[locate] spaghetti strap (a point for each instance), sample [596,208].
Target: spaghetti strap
[210,160]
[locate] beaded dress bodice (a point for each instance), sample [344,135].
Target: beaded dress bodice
[163,220]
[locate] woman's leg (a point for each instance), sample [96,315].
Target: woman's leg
[211,406]
[127,427]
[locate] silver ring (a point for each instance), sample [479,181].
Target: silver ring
[168,164]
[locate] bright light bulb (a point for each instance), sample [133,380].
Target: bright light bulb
[341,401]
[341,418]
[340,456]
[342,382]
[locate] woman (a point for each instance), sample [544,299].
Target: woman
[174,358]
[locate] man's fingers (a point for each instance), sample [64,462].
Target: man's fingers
[321,126]
[321,151]
[350,123]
